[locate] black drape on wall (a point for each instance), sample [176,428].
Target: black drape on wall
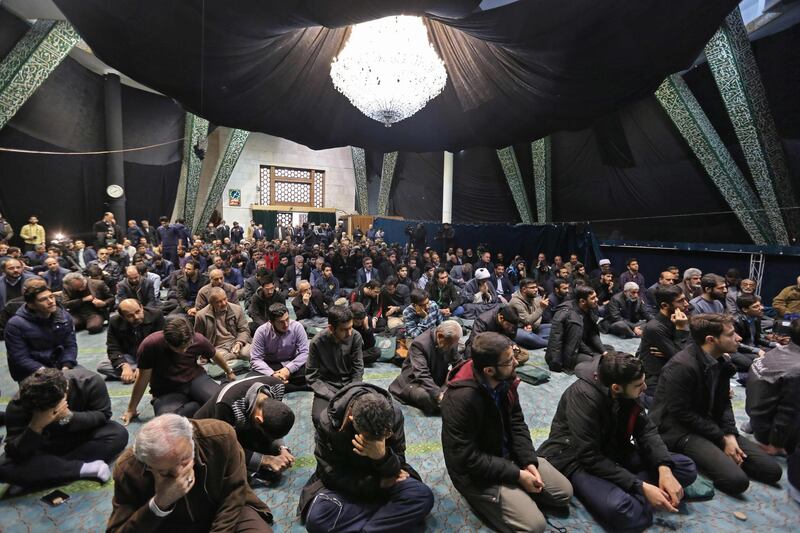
[66,114]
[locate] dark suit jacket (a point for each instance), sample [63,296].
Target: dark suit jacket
[361,276]
[289,276]
[508,288]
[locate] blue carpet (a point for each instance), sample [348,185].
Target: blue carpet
[767,508]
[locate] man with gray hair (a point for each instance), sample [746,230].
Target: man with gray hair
[89,301]
[691,283]
[626,313]
[422,379]
[225,326]
[186,475]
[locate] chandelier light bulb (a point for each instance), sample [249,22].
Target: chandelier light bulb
[388,69]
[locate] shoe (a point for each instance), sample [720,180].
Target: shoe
[746,428]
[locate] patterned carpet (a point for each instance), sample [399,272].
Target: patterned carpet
[767,508]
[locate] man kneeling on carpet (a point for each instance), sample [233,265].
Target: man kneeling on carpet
[422,378]
[362,481]
[185,475]
[602,439]
[60,429]
[254,407]
[487,444]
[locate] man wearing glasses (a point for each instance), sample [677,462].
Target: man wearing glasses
[487,444]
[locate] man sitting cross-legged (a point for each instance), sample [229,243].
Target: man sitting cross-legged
[603,441]
[225,326]
[254,408]
[693,411]
[334,358]
[422,378]
[487,444]
[280,349]
[168,361]
[185,475]
[126,331]
[362,481]
[60,429]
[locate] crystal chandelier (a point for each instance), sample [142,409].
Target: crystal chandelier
[388,69]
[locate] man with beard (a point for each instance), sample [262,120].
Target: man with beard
[574,336]
[126,331]
[691,283]
[263,299]
[626,314]
[137,287]
[602,439]
[487,445]
[712,300]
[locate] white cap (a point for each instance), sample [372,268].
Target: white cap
[604,262]
[481,273]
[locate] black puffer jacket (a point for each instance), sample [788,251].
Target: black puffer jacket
[568,338]
[338,467]
[473,429]
[592,432]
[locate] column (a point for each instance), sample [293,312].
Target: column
[115,166]
[447,189]
[508,160]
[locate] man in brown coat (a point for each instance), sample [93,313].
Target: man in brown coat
[185,475]
[89,301]
[225,326]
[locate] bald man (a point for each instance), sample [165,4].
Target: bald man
[225,326]
[137,287]
[126,330]
[216,278]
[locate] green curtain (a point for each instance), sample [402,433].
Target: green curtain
[267,218]
[320,218]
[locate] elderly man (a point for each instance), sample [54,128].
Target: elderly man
[296,273]
[12,279]
[60,430]
[167,360]
[421,382]
[137,287]
[626,314]
[280,349]
[40,334]
[89,301]
[126,331]
[216,278]
[691,283]
[225,326]
[154,481]
[309,306]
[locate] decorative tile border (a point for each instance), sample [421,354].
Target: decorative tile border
[683,108]
[225,165]
[196,128]
[542,179]
[360,171]
[508,160]
[31,61]
[735,71]
[387,176]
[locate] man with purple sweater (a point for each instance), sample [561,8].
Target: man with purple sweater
[280,349]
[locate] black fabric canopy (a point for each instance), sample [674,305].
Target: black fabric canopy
[515,73]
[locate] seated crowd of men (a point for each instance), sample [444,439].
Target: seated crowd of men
[627,437]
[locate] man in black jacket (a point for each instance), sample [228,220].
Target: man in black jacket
[626,314]
[444,292]
[747,323]
[60,430]
[693,411]
[574,335]
[663,336]
[362,481]
[126,330]
[268,294]
[773,396]
[422,378]
[254,407]
[136,286]
[602,440]
[487,444]
[504,321]
[370,351]
[309,306]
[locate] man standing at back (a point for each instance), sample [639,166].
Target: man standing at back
[487,445]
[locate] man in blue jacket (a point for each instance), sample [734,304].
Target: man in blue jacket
[41,334]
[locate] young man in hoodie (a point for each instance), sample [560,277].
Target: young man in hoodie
[487,444]
[613,455]
[362,481]
[254,407]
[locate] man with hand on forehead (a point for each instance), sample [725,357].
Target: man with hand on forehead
[185,475]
